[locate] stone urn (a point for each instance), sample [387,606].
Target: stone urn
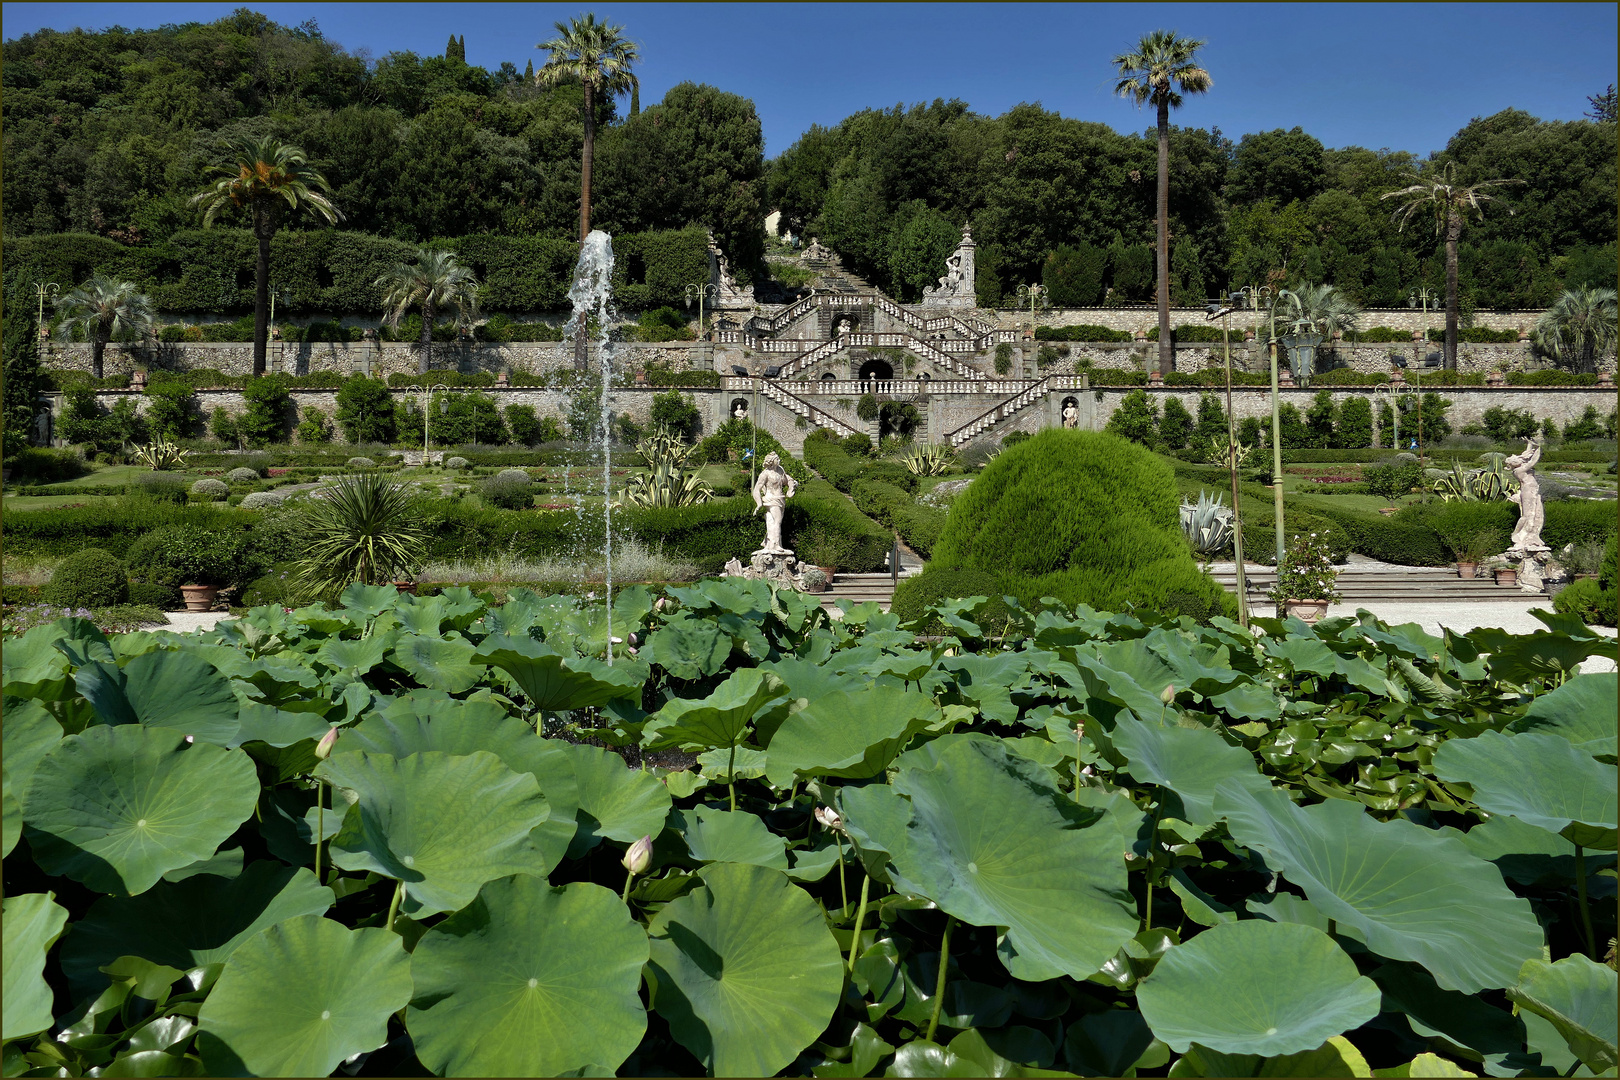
[199,597]
[406,587]
[502,379]
[1496,378]
[1285,379]
[1507,575]
[1467,569]
[1605,379]
[137,379]
[1397,377]
[1155,378]
[1306,610]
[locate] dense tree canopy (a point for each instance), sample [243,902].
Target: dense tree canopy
[106,134]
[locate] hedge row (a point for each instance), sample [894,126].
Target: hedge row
[210,271]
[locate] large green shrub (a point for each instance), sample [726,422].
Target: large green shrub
[88,578]
[1080,333]
[190,555]
[45,465]
[675,412]
[1136,419]
[917,593]
[1085,517]
[1588,601]
[1397,539]
[269,412]
[365,410]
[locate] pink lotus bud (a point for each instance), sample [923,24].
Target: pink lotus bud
[631,638]
[658,605]
[830,818]
[323,749]
[640,854]
[1168,695]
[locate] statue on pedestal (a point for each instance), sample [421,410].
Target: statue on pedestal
[955,289]
[1527,541]
[771,491]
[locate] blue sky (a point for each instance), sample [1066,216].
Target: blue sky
[1403,76]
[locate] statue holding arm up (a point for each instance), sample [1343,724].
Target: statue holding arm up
[772,490]
[1532,516]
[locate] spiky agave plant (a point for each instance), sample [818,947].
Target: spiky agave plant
[160,455]
[928,459]
[1207,524]
[666,483]
[361,531]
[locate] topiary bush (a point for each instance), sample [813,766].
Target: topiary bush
[162,597]
[360,463]
[210,488]
[456,463]
[89,578]
[242,476]
[1086,517]
[259,500]
[165,486]
[190,555]
[508,492]
[514,476]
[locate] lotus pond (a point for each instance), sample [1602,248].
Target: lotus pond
[1070,843]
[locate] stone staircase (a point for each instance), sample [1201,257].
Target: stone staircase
[773,391]
[1375,583]
[997,414]
[859,589]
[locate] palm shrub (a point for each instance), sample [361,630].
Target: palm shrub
[1578,328]
[1086,517]
[363,530]
[102,308]
[88,578]
[436,280]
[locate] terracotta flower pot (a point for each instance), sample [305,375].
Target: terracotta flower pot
[406,587]
[830,571]
[1508,577]
[1307,610]
[199,597]
[1467,569]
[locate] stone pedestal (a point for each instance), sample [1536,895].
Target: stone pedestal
[778,567]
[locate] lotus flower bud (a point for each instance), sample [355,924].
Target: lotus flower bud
[658,605]
[323,749]
[631,638]
[1168,694]
[631,650]
[830,818]
[639,856]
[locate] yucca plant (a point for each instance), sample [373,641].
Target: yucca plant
[1487,484]
[161,455]
[928,459]
[666,483]
[363,530]
[1207,524]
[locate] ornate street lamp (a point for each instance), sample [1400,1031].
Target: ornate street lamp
[1224,313]
[1258,294]
[702,291]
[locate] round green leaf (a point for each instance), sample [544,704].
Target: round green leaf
[717,720]
[186,924]
[1585,710]
[529,980]
[119,807]
[29,733]
[1192,762]
[438,663]
[724,836]
[32,923]
[443,825]
[1413,894]
[847,733]
[301,996]
[615,801]
[689,648]
[455,729]
[988,839]
[551,681]
[1579,998]
[1281,988]
[1542,779]
[745,970]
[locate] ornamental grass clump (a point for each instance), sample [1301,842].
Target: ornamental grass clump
[1307,571]
[363,531]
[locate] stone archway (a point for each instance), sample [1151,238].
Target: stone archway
[876,370]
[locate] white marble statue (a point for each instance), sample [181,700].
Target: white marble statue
[772,490]
[955,289]
[1532,516]
[1071,415]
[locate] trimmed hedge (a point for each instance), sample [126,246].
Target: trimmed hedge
[1086,517]
[114,524]
[1550,377]
[1401,542]
[1260,533]
[1080,333]
[91,577]
[662,376]
[1475,335]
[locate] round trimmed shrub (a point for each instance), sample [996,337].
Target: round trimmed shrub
[259,500]
[165,486]
[211,488]
[456,463]
[91,577]
[507,493]
[150,593]
[361,463]
[243,476]
[514,475]
[935,584]
[1086,517]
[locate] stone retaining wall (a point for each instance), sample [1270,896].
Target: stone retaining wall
[1144,317]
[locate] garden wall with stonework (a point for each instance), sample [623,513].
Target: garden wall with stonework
[1144,317]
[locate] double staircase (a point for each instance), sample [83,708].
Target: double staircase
[998,413]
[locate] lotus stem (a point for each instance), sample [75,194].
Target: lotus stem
[629,879]
[320,825]
[393,905]
[731,776]
[860,917]
[1580,889]
[939,982]
[843,890]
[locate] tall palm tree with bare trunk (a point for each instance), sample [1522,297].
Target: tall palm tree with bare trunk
[596,56]
[1437,191]
[268,179]
[1161,70]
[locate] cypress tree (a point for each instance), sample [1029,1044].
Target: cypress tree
[20,385]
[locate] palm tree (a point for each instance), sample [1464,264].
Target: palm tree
[102,307]
[1451,203]
[267,178]
[594,55]
[1578,328]
[1325,307]
[434,281]
[365,530]
[1160,70]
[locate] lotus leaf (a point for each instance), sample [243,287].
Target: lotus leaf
[1106,1043]
[443,825]
[1192,762]
[175,690]
[1585,710]
[32,923]
[1414,894]
[744,970]
[28,733]
[724,836]
[1579,998]
[186,924]
[277,727]
[358,656]
[553,682]
[1282,988]
[32,667]
[614,802]
[1542,779]
[719,719]
[438,663]
[118,807]
[989,840]
[298,998]
[847,733]
[689,648]
[529,980]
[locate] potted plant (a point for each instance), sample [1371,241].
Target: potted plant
[1306,577]
[1390,481]
[814,579]
[826,550]
[1470,551]
[1505,572]
[1582,560]
[196,560]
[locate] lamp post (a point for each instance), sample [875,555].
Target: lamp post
[444,409]
[1224,312]
[701,291]
[43,289]
[1034,294]
[1256,295]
